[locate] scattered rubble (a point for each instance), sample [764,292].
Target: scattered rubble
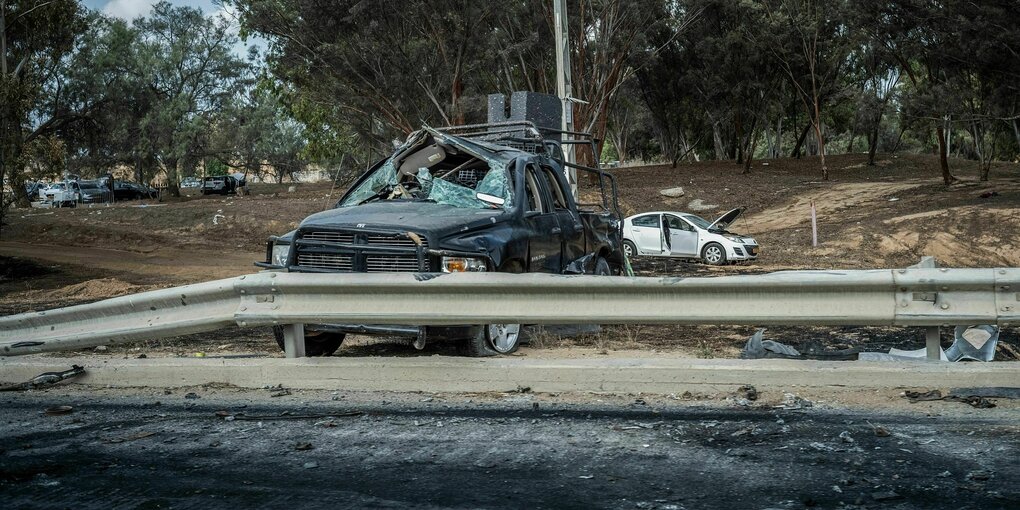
[676,192]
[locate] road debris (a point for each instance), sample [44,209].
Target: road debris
[302,447]
[749,392]
[971,400]
[792,402]
[993,392]
[879,430]
[58,410]
[756,348]
[974,343]
[46,379]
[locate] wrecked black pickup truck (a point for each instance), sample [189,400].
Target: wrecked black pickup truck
[491,197]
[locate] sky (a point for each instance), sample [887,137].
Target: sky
[131,9]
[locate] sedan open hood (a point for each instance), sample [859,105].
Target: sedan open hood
[727,219]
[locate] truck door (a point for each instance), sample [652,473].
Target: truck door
[545,236]
[572,230]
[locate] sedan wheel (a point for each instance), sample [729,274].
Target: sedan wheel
[714,254]
[629,249]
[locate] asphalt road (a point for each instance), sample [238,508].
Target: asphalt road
[156,449]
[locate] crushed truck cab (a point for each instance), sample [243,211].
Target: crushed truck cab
[482,198]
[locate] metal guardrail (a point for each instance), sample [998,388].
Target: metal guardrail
[898,297]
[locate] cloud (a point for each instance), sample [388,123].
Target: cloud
[129,9]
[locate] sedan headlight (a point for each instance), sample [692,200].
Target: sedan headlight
[280,253]
[463,264]
[734,239]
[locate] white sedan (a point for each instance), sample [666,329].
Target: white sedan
[685,235]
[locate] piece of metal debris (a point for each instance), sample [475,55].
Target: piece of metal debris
[974,343]
[58,410]
[46,379]
[756,348]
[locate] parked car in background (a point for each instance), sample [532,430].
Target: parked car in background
[133,191]
[92,192]
[191,182]
[222,185]
[60,194]
[685,235]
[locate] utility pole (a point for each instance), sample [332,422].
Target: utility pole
[563,88]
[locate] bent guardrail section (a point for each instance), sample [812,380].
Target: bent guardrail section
[903,297]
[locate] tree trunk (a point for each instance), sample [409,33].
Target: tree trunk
[738,137]
[1016,132]
[872,145]
[800,142]
[720,149]
[821,138]
[777,148]
[750,151]
[172,178]
[940,135]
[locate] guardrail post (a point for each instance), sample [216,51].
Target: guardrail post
[933,343]
[294,340]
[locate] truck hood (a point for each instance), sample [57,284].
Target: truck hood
[419,217]
[727,219]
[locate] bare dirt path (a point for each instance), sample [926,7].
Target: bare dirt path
[165,263]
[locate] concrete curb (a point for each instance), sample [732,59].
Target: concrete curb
[448,374]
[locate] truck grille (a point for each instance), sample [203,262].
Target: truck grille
[326,261]
[352,251]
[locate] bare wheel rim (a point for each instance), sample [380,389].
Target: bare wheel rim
[627,250]
[713,254]
[503,337]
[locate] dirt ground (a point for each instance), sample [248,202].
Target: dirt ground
[218,446]
[888,215]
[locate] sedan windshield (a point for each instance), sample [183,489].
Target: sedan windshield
[698,221]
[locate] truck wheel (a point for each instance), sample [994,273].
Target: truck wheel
[492,340]
[317,343]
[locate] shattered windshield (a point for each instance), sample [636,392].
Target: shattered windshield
[444,170]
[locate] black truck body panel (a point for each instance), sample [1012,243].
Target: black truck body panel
[396,218]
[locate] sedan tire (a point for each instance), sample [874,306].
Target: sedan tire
[714,253]
[629,249]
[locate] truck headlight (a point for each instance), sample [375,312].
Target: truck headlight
[280,253]
[463,264]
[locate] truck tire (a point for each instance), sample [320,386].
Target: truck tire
[494,339]
[317,343]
